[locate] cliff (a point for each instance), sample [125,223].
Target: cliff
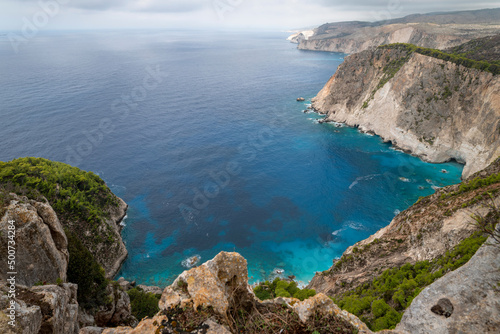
[435,109]
[84,205]
[435,30]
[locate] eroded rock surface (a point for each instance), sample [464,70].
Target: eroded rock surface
[41,245]
[42,309]
[432,108]
[466,300]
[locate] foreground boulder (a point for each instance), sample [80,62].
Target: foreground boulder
[216,298]
[41,244]
[41,309]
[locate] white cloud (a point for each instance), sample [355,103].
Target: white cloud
[220,14]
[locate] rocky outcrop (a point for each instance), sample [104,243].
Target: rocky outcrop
[432,108]
[437,30]
[423,34]
[466,300]
[40,243]
[111,257]
[300,36]
[210,284]
[117,311]
[49,309]
[425,231]
[207,295]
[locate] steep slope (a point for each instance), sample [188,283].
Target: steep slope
[435,109]
[84,204]
[486,48]
[434,30]
[422,243]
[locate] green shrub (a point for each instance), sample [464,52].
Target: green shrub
[87,273]
[143,304]
[281,288]
[454,58]
[399,286]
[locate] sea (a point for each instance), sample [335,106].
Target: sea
[200,132]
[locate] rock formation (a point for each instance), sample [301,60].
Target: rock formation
[41,309]
[432,108]
[208,292]
[111,257]
[466,300]
[438,30]
[41,245]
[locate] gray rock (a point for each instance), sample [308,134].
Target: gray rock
[118,311]
[91,330]
[41,245]
[473,298]
[152,289]
[28,317]
[42,309]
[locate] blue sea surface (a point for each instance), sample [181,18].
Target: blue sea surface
[201,134]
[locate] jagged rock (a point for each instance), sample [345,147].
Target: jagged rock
[44,309]
[85,319]
[112,257]
[125,285]
[151,289]
[28,317]
[59,307]
[118,311]
[473,292]
[41,245]
[323,305]
[209,284]
[91,330]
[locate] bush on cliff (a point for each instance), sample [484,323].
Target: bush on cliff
[87,273]
[79,198]
[281,288]
[143,304]
[454,58]
[381,302]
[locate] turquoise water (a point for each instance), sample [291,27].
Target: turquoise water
[218,155]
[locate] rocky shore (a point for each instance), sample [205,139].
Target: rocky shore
[432,108]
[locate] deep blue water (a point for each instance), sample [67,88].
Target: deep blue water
[213,153]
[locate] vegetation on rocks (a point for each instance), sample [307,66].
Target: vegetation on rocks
[381,302]
[143,304]
[459,59]
[486,48]
[272,318]
[87,273]
[76,195]
[280,288]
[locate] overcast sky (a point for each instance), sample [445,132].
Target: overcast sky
[216,14]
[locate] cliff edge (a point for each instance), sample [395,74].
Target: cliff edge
[433,108]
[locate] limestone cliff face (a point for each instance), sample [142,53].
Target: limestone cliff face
[112,257]
[432,108]
[41,245]
[365,38]
[41,309]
